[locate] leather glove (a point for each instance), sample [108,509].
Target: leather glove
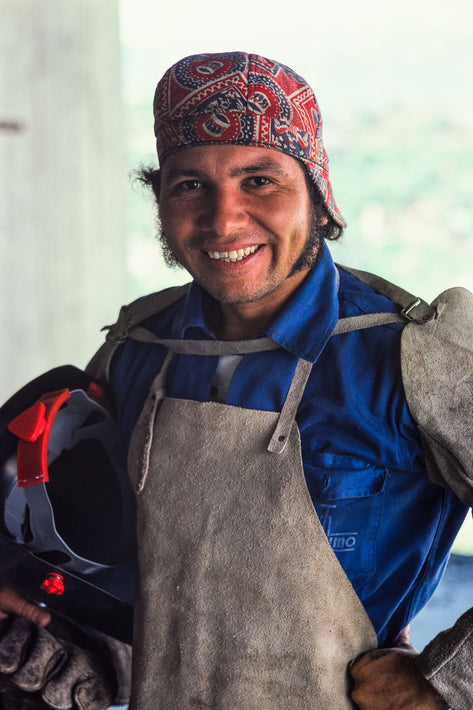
[59,673]
[12,698]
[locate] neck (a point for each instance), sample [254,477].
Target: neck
[232,322]
[242,321]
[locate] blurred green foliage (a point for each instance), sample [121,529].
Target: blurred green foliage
[406,191]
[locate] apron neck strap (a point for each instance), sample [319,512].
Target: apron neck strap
[288,412]
[205,347]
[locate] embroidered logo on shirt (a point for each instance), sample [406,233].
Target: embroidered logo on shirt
[339,541]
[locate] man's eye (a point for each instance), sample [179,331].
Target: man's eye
[260,180]
[189,185]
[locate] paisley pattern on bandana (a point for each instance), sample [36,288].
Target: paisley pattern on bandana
[242,99]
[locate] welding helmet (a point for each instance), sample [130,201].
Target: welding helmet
[67,517]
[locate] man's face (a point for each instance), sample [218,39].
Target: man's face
[239,220]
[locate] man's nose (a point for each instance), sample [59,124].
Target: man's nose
[225,212]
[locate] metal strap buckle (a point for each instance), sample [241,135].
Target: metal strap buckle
[117,333]
[407,311]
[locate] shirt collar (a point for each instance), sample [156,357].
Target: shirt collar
[307,321]
[302,328]
[189,322]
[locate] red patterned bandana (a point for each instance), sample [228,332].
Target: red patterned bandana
[243,99]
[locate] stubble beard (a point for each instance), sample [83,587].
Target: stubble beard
[306,260]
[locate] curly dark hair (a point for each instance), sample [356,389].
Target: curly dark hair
[151,177]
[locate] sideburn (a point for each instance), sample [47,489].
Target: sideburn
[310,254]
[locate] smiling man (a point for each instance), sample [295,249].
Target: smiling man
[288,527]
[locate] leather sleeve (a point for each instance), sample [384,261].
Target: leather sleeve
[437,373]
[447,664]
[437,369]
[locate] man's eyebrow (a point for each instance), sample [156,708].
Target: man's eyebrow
[177,173]
[262,166]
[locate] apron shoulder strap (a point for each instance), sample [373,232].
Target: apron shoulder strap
[412,308]
[129,317]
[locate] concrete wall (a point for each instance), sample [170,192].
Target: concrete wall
[62,182]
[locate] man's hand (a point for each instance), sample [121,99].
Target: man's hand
[62,674]
[13,603]
[389,679]
[48,669]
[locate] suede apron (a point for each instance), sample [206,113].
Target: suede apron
[241,601]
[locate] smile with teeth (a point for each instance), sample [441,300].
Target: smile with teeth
[232,256]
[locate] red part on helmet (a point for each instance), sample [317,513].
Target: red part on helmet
[53,584]
[29,424]
[33,427]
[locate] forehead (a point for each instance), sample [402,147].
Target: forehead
[230,161]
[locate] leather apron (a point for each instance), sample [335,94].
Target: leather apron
[241,601]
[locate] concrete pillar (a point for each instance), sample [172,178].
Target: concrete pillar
[62,182]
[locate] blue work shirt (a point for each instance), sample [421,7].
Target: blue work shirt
[390,527]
